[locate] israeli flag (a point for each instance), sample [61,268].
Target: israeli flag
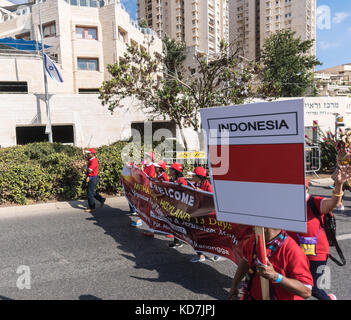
[52,70]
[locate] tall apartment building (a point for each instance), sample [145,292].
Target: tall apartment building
[84,37]
[252,21]
[201,24]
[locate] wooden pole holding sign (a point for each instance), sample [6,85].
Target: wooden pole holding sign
[261,254]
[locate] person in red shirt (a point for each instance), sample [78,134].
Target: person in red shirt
[176,173]
[287,269]
[318,251]
[149,167]
[160,168]
[199,177]
[92,180]
[149,170]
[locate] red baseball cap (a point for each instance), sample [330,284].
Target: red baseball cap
[199,171]
[161,164]
[151,155]
[177,166]
[307,183]
[91,150]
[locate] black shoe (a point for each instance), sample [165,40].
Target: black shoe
[133,214]
[175,245]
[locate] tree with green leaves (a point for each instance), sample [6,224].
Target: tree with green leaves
[143,24]
[287,66]
[166,88]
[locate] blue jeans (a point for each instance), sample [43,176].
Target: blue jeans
[320,294]
[92,194]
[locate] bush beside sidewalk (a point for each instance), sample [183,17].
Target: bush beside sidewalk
[43,172]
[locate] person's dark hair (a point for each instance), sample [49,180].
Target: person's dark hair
[161,169]
[178,174]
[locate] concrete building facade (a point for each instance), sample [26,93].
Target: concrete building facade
[84,37]
[201,24]
[334,81]
[252,21]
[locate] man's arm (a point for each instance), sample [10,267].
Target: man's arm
[293,286]
[342,176]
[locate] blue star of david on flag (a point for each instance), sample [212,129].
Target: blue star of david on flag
[51,70]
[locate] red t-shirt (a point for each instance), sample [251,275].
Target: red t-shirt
[94,166]
[206,186]
[163,177]
[150,170]
[313,226]
[289,260]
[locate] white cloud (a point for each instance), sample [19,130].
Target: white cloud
[324,45]
[339,17]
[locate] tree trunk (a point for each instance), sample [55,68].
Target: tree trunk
[183,137]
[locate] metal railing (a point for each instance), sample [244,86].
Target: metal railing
[313,159]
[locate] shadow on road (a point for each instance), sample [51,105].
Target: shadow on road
[89,297]
[154,255]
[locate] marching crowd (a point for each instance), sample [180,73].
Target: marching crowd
[295,262]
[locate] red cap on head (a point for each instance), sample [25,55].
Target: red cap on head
[151,155]
[307,183]
[91,150]
[177,166]
[161,164]
[199,171]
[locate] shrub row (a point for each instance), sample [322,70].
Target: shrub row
[44,171]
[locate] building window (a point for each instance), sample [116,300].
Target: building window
[90,64]
[74,2]
[13,87]
[88,91]
[93,4]
[87,33]
[30,134]
[24,36]
[49,30]
[83,3]
[122,35]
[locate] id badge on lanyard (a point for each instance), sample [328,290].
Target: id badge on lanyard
[308,245]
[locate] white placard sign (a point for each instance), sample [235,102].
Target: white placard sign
[257,165]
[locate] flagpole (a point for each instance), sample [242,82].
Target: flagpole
[48,128]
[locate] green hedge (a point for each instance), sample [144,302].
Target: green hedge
[45,171]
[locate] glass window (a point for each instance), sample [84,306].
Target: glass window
[74,2]
[86,33]
[49,30]
[82,64]
[88,64]
[92,33]
[79,33]
[83,3]
[93,3]
[93,64]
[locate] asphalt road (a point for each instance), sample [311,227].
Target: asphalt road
[74,255]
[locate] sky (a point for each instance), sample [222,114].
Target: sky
[333,30]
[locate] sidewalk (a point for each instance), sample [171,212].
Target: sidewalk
[50,207]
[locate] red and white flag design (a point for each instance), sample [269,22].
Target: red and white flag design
[256,155]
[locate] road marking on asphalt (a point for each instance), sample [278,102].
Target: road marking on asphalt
[344,237]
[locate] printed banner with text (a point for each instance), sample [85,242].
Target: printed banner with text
[185,212]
